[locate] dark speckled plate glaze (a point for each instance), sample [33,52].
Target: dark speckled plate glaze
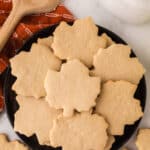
[12,106]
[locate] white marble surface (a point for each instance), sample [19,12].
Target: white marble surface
[137,36]
[138,11]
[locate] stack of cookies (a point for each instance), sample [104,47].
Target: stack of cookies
[76,89]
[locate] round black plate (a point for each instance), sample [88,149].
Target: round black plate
[12,106]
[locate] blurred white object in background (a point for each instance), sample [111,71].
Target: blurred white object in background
[131,11]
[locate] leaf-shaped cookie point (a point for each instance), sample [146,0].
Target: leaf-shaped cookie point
[118,105]
[14,145]
[143,139]
[72,88]
[110,141]
[79,41]
[114,63]
[108,39]
[46,41]
[80,132]
[30,68]
[35,117]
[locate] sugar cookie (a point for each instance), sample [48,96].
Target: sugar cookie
[30,68]
[117,104]
[72,88]
[35,117]
[114,63]
[79,41]
[80,132]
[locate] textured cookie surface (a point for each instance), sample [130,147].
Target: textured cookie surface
[80,132]
[72,88]
[114,63]
[79,41]
[117,104]
[108,39]
[143,139]
[110,141]
[14,145]
[35,117]
[46,41]
[30,68]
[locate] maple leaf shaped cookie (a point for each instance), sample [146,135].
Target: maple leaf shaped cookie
[35,117]
[80,132]
[143,139]
[72,88]
[114,63]
[30,68]
[14,145]
[117,104]
[79,41]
